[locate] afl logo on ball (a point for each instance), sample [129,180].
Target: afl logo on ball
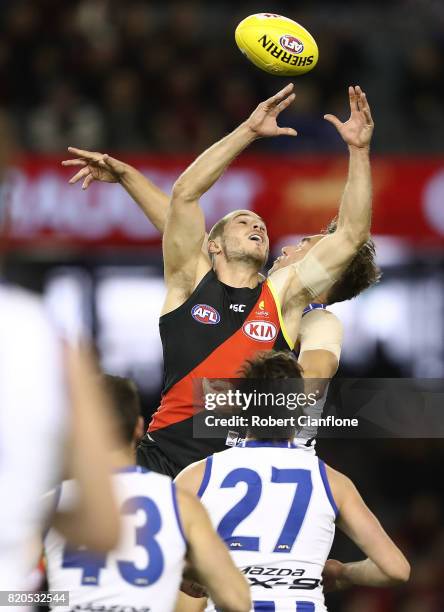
[203,313]
[291,44]
[264,331]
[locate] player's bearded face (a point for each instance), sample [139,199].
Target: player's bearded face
[245,239]
[293,253]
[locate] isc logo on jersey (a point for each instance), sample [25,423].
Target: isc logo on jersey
[263,331]
[205,314]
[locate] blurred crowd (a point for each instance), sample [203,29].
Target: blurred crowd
[398,480]
[168,77]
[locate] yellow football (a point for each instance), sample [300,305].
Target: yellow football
[277,44]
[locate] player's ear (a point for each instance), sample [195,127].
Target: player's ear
[139,430]
[213,247]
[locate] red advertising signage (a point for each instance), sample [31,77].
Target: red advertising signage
[294,196]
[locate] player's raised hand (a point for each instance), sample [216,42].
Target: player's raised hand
[358,130]
[263,121]
[94,167]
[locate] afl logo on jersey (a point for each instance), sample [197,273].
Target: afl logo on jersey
[205,314]
[264,331]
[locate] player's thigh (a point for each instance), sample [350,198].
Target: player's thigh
[185,603]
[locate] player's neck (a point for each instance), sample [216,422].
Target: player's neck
[122,457]
[237,274]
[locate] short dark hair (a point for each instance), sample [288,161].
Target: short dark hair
[266,373]
[361,273]
[272,365]
[125,404]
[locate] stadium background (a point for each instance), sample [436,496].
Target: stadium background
[154,83]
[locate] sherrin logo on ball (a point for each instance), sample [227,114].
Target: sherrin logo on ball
[277,44]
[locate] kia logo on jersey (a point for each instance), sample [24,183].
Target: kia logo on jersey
[203,313]
[264,331]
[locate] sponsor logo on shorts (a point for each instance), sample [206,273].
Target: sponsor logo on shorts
[205,314]
[291,44]
[263,331]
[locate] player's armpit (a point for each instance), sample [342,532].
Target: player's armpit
[385,565]
[209,556]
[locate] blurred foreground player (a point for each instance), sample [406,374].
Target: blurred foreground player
[276,507]
[161,527]
[50,412]
[218,312]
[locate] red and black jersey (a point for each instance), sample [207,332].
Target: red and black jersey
[210,336]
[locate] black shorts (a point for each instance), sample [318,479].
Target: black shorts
[150,456]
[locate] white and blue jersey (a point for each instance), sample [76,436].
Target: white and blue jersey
[144,572]
[271,503]
[34,419]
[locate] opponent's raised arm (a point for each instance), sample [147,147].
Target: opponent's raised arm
[331,255]
[95,166]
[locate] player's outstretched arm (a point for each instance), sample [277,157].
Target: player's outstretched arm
[95,166]
[323,264]
[185,226]
[209,166]
[210,558]
[336,250]
[385,564]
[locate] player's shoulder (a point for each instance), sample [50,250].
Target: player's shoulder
[342,486]
[191,477]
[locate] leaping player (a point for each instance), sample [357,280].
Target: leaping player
[217,311]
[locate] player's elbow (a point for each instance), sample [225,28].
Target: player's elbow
[183,191]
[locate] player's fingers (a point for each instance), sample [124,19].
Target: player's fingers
[281,95]
[366,108]
[334,120]
[80,174]
[87,182]
[285,103]
[353,99]
[92,155]
[74,162]
[286,131]
[112,163]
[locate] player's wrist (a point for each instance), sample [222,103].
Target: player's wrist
[249,131]
[126,174]
[363,150]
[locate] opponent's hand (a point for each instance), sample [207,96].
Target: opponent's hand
[358,130]
[333,576]
[263,121]
[95,167]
